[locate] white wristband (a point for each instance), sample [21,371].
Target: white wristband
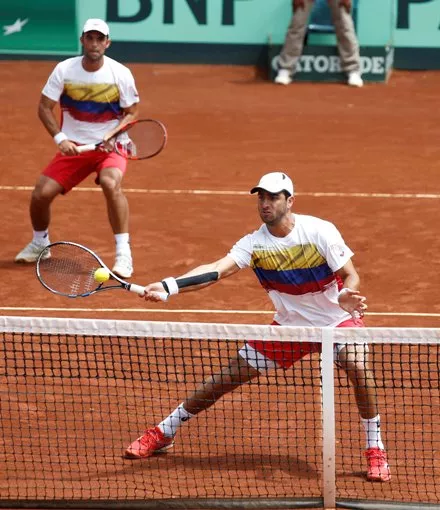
[171,285]
[344,291]
[59,137]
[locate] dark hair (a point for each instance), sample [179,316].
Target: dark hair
[106,36]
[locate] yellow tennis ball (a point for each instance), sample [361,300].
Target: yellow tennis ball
[101,275]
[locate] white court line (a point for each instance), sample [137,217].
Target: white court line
[161,310]
[233,193]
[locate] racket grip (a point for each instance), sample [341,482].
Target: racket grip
[86,148]
[138,289]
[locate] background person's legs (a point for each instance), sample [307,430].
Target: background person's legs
[348,45]
[293,44]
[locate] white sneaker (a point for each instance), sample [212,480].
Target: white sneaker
[283,77]
[354,79]
[31,252]
[123,265]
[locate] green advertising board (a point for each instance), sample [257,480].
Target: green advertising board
[191,21]
[38,27]
[417,34]
[418,24]
[212,31]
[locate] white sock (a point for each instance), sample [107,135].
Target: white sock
[372,432]
[123,243]
[170,425]
[41,236]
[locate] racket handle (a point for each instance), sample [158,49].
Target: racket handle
[138,289]
[86,148]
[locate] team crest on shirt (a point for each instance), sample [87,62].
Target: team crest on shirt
[338,249]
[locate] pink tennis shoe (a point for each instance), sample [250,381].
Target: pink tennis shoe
[151,442]
[378,468]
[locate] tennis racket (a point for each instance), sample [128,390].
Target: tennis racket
[140,139]
[68,269]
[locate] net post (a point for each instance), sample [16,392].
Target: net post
[328,419]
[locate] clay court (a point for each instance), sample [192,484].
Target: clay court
[365,159]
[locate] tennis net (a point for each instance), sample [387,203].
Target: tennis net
[75,392]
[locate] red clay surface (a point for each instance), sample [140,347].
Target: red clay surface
[226,128]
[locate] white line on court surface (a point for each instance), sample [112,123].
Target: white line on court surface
[220,192]
[159,310]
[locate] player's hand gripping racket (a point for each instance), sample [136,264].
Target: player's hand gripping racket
[72,270]
[140,139]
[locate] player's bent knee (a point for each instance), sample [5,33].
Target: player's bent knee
[110,185]
[44,194]
[350,353]
[110,177]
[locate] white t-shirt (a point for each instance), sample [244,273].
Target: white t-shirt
[298,271]
[90,102]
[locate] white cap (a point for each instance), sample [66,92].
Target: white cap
[275,182]
[96,24]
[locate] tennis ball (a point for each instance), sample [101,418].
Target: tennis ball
[101,275]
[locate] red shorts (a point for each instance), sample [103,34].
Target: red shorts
[69,171]
[284,354]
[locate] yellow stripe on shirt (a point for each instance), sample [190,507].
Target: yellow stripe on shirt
[296,257]
[97,92]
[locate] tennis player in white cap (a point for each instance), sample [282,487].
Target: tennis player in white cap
[304,265]
[96,95]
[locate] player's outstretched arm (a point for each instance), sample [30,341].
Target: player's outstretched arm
[192,280]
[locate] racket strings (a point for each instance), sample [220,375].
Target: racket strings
[69,270]
[142,140]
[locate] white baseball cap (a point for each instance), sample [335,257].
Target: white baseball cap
[275,182]
[96,24]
